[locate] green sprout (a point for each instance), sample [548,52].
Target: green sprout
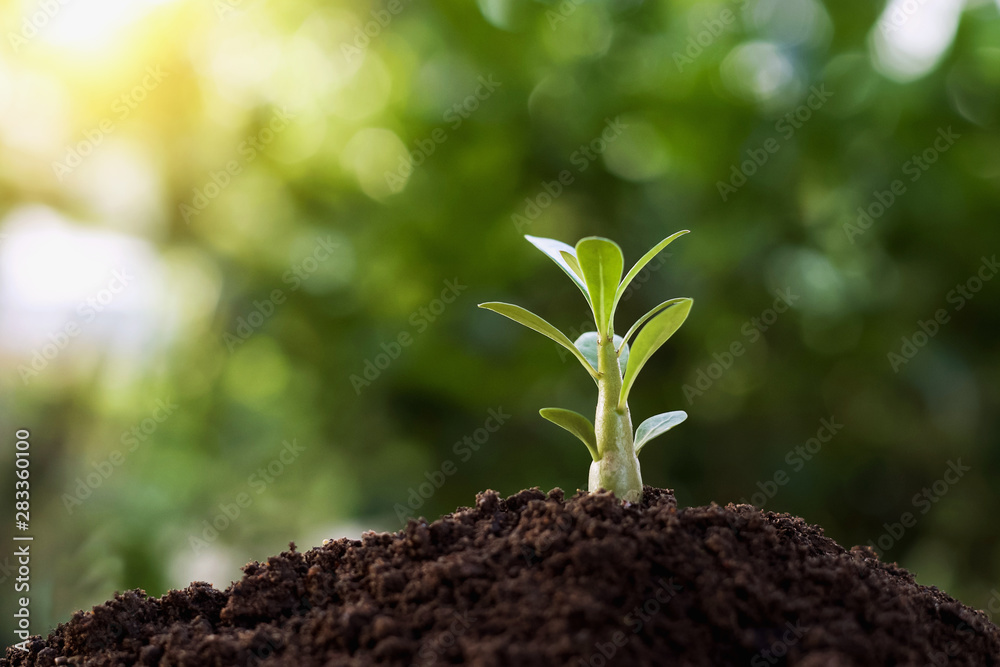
[596,265]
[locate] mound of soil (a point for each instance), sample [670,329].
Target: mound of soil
[539,580]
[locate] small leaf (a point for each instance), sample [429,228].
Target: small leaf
[573,264]
[653,311]
[534,322]
[655,426]
[601,261]
[576,424]
[634,271]
[587,344]
[649,340]
[554,250]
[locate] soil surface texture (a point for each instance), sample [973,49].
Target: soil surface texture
[537,579]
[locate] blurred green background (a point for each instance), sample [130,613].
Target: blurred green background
[217,217]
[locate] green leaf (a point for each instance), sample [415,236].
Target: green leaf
[573,264]
[601,261]
[649,340]
[587,344]
[534,322]
[654,311]
[554,250]
[576,424]
[634,271]
[656,426]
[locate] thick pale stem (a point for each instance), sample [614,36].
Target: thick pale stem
[618,468]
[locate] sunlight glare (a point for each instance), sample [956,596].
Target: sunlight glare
[911,36]
[93,25]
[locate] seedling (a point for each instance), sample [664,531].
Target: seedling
[595,266]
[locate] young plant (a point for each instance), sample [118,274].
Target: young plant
[595,266]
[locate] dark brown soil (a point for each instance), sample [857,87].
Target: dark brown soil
[539,580]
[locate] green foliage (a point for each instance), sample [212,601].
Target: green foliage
[563,255]
[634,271]
[535,323]
[595,265]
[601,262]
[657,425]
[807,220]
[576,424]
[649,339]
[587,343]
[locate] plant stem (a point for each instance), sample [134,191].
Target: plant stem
[618,468]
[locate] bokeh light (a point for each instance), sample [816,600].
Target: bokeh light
[227,226]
